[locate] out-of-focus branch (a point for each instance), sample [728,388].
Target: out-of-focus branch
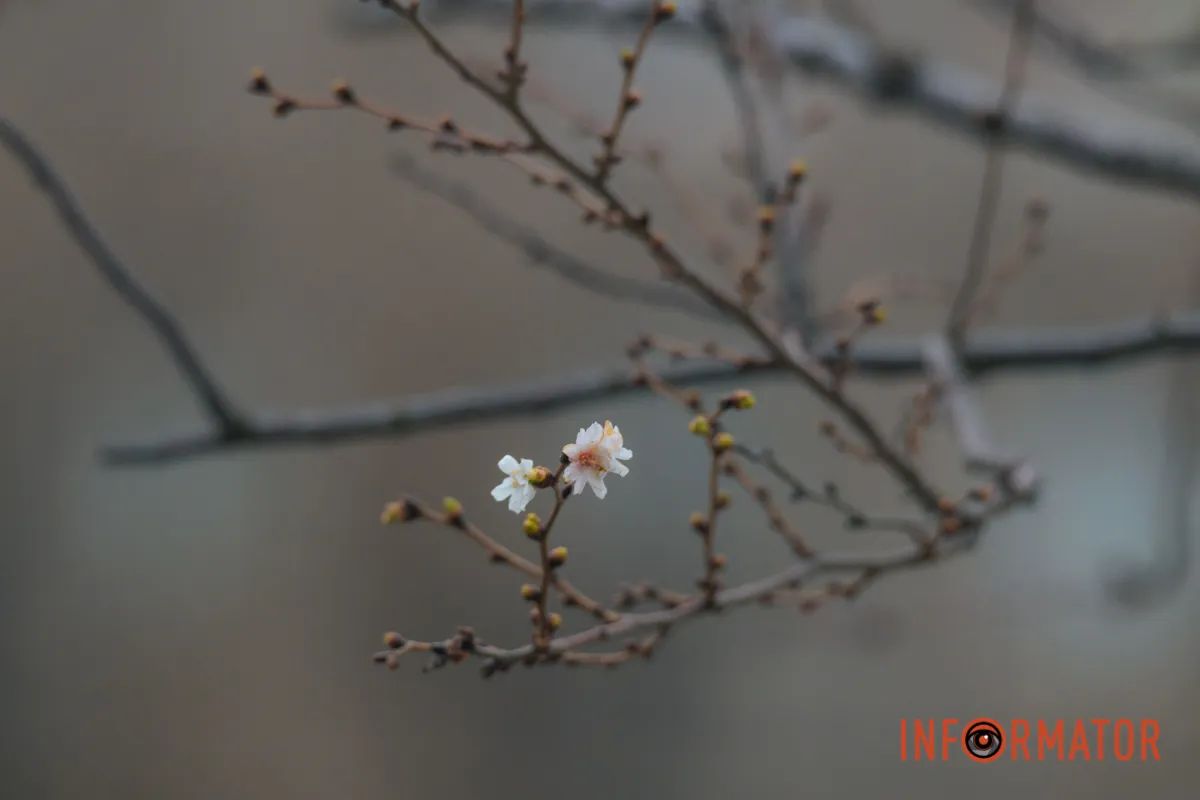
[227,421]
[790,246]
[1152,582]
[1113,60]
[944,93]
[541,252]
[987,351]
[979,450]
[993,176]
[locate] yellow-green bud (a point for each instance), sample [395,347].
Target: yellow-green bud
[529,591]
[700,425]
[797,170]
[766,218]
[398,511]
[554,620]
[532,525]
[540,477]
[723,442]
[723,499]
[557,557]
[742,400]
[453,508]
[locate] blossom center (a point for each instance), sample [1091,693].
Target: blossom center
[590,459]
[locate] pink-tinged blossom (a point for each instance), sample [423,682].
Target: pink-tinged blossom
[597,451]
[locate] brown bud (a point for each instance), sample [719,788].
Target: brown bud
[393,640]
[982,493]
[664,11]
[766,218]
[343,93]
[698,521]
[258,82]
[399,511]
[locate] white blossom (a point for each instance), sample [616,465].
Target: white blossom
[594,454]
[516,487]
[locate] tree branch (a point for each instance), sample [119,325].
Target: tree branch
[946,94]
[986,352]
[228,422]
[543,253]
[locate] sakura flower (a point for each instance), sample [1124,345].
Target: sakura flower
[594,454]
[516,487]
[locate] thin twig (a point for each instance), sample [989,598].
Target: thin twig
[541,252]
[993,176]
[1135,151]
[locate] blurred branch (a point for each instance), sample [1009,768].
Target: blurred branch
[228,423]
[1121,71]
[947,94]
[795,297]
[1150,583]
[986,352]
[970,428]
[993,176]
[541,252]
[1109,60]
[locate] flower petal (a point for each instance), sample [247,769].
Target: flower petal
[619,469]
[508,464]
[526,465]
[503,490]
[625,452]
[598,487]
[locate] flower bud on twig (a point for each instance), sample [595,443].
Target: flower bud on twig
[453,509]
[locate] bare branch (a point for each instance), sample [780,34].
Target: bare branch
[228,422]
[988,351]
[1114,60]
[993,176]
[1130,151]
[978,449]
[762,590]
[543,253]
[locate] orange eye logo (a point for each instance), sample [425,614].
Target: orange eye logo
[983,740]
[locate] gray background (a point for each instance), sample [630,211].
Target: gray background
[203,629]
